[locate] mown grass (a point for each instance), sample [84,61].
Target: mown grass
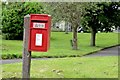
[60,45]
[79,67]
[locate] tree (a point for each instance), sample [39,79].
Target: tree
[92,17]
[13,17]
[69,12]
[101,16]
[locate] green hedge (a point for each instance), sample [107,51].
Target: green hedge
[13,17]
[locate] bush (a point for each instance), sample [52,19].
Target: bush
[13,17]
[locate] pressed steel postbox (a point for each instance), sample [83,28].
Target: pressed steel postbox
[39,38]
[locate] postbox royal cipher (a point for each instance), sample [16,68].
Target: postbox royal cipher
[39,37]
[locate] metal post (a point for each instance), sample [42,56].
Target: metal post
[26,54]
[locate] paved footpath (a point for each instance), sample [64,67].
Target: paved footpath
[9,61]
[106,52]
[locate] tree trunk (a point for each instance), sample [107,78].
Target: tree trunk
[66,28]
[75,46]
[93,36]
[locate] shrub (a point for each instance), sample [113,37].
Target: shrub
[13,17]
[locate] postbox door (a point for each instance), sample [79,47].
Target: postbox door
[38,40]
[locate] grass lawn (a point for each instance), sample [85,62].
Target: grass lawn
[79,67]
[60,45]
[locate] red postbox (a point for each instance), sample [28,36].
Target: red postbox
[39,37]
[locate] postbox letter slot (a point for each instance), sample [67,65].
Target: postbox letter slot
[38,41]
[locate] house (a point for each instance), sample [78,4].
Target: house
[62,26]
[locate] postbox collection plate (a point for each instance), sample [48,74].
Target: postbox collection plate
[38,41]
